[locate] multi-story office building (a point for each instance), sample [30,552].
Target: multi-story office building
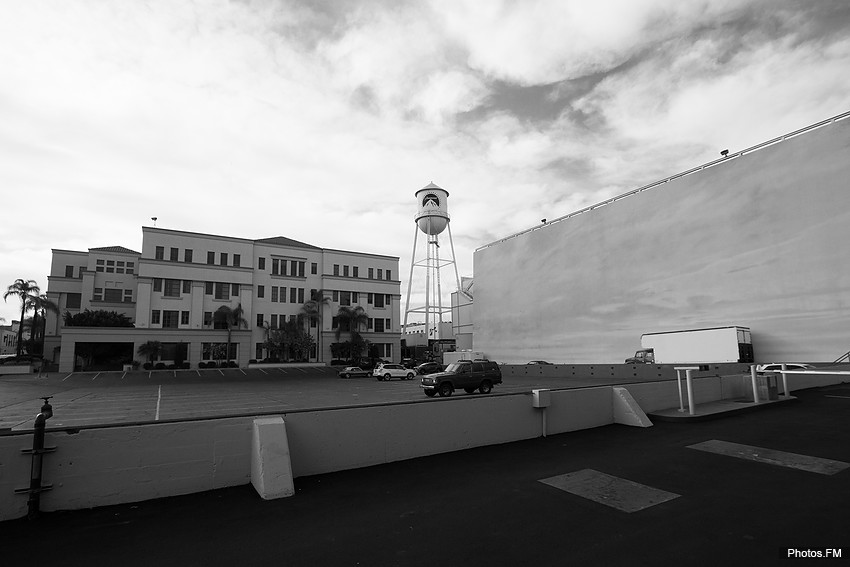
[172,289]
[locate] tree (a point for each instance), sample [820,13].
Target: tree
[313,311]
[230,318]
[149,349]
[352,318]
[40,305]
[97,318]
[23,289]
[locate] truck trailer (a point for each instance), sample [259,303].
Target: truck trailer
[695,346]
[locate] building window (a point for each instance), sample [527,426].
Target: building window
[208,318]
[187,255]
[355,297]
[222,291]
[283,295]
[379,300]
[314,268]
[99,266]
[380,274]
[208,288]
[334,322]
[379,325]
[159,254]
[169,319]
[128,296]
[274,294]
[237,260]
[300,295]
[174,254]
[157,284]
[119,267]
[261,291]
[389,300]
[98,294]
[293,294]
[261,263]
[187,286]
[335,297]
[389,274]
[371,273]
[345,271]
[345,298]
[369,323]
[259,319]
[210,257]
[184,317]
[112,294]
[336,269]
[283,267]
[223,259]
[172,288]
[234,290]
[301,266]
[130,267]
[155,317]
[73,300]
[275,266]
[259,352]
[388,324]
[110,266]
[369,298]
[274,322]
[69,271]
[355,271]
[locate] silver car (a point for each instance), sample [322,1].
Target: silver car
[387,371]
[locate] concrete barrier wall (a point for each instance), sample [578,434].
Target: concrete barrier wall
[112,465]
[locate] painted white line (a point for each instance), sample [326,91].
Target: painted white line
[175,373]
[281,370]
[198,371]
[68,376]
[95,376]
[150,374]
[122,376]
[842,397]
[242,371]
[261,370]
[302,370]
[158,400]
[220,372]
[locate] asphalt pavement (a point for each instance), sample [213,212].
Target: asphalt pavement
[488,506]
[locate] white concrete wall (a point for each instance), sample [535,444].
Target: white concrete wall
[758,240]
[97,467]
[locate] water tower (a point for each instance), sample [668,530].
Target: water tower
[432,219]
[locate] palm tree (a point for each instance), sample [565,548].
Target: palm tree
[313,310]
[149,349]
[23,289]
[230,317]
[40,305]
[353,318]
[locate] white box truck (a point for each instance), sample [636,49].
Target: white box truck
[695,346]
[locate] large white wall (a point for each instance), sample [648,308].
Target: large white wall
[761,240]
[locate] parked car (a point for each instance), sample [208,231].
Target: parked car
[389,371]
[473,375]
[543,362]
[429,368]
[353,372]
[788,366]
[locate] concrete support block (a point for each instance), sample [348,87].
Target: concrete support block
[626,409]
[271,470]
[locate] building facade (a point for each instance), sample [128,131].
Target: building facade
[173,287]
[755,239]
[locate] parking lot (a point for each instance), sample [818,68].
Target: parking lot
[97,398]
[488,506]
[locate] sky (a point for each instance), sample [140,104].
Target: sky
[318,120]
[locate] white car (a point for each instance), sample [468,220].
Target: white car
[774,366]
[388,371]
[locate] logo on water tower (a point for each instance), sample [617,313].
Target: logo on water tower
[431,200]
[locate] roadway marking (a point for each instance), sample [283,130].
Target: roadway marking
[158,400]
[242,371]
[198,371]
[95,376]
[302,370]
[772,457]
[68,376]
[842,397]
[281,370]
[220,372]
[261,370]
[619,493]
[122,376]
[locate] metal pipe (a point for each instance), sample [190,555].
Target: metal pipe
[690,390]
[755,388]
[34,501]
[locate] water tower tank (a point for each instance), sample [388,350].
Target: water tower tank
[432,217]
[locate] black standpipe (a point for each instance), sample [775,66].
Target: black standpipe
[38,450]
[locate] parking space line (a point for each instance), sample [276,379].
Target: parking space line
[158,400]
[243,372]
[624,495]
[772,457]
[122,376]
[842,397]
[95,376]
[261,370]
[68,376]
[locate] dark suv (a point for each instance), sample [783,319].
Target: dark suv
[469,375]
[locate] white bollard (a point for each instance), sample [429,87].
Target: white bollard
[271,470]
